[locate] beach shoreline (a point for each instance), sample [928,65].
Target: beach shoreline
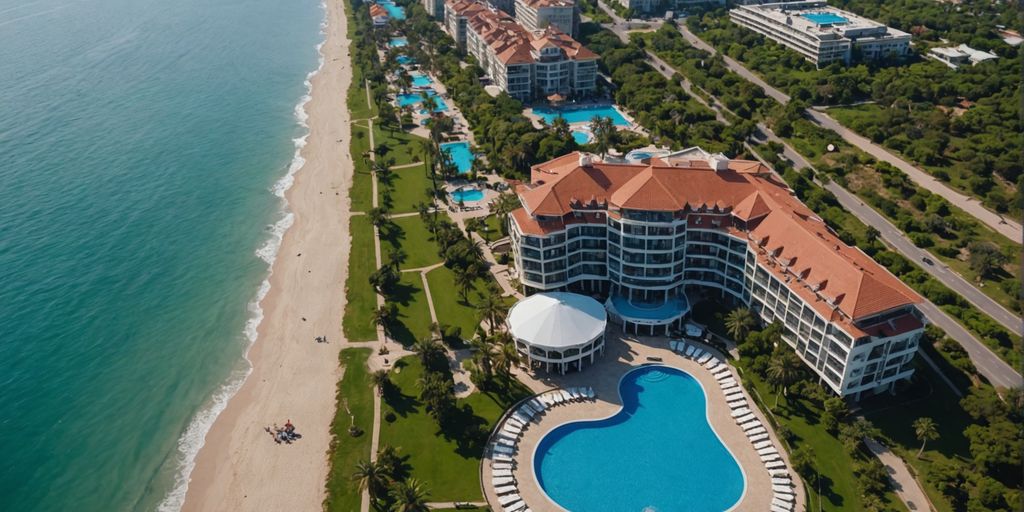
[240,467]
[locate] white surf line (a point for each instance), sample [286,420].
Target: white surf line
[41,13]
[22,6]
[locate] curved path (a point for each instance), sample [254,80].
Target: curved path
[622,356]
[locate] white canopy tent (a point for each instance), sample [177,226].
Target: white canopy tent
[558,328]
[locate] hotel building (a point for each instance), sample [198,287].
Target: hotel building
[435,8]
[651,237]
[535,15]
[822,34]
[525,64]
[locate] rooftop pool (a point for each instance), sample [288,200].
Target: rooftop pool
[824,18]
[658,453]
[584,114]
[398,42]
[394,11]
[667,310]
[461,155]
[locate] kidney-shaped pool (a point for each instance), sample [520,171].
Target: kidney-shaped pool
[657,454]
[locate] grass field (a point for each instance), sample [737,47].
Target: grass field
[448,302]
[343,494]
[409,187]
[416,241]
[361,192]
[413,311]
[361,297]
[447,462]
[398,145]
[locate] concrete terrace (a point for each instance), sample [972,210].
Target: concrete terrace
[623,354]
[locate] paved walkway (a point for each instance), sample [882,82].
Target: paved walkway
[1007,227]
[903,481]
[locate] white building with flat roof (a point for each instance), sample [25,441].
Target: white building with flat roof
[955,57]
[821,33]
[652,237]
[536,15]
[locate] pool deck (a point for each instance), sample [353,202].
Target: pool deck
[538,121]
[622,354]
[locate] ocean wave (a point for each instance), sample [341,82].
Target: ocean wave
[194,436]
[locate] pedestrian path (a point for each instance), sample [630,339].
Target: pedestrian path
[903,481]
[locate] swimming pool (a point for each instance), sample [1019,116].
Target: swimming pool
[421,80]
[461,155]
[581,137]
[824,18]
[467,195]
[638,155]
[669,310]
[394,11]
[416,99]
[657,453]
[398,42]
[581,114]
[404,59]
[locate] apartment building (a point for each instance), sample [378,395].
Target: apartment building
[822,34]
[653,237]
[435,8]
[535,15]
[525,64]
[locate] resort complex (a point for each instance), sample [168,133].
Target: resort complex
[821,33]
[527,64]
[654,236]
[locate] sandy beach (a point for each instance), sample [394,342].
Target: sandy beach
[293,377]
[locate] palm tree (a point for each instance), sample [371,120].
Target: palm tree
[504,205]
[378,217]
[389,460]
[560,127]
[783,370]
[409,496]
[507,356]
[381,380]
[429,350]
[371,476]
[738,323]
[464,282]
[493,309]
[396,257]
[483,355]
[603,129]
[926,430]
[383,315]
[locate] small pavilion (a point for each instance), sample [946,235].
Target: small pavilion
[558,328]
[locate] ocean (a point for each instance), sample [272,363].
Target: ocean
[144,148]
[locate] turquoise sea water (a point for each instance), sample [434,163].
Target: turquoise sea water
[139,145]
[657,454]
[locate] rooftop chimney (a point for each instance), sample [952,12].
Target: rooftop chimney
[718,162]
[586,160]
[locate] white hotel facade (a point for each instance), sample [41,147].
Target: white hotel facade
[651,237]
[821,33]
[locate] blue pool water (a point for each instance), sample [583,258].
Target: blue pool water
[419,80]
[638,155]
[581,114]
[670,309]
[467,195]
[394,11]
[658,453]
[398,42]
[581,137]
[824,18]
[404,59]
[415,99]
[461,155]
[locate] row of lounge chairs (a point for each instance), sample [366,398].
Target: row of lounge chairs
[505,441]
[783,497]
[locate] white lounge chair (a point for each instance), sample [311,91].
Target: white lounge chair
[590,393]
[770,457]
[745,418]
[767,451]
[697,354]
[742,411]
[722,377]
[777,508]
[704,358]
[501,465]
[575,393]
[566,397]
[499,457]
[730,387]
[674,345]
[515,422]
[784,496]
[712,364]
[509,429]
[501,481]
[526,411]
[690,350]
[775,464]
[756,430]
[505,489]
[537,405]
[502,472]
[779,473]
[734,395]
[782,480]
[509,499]
[784,505]
[502,450]
[516,507]
[750,425]
[521,417]
[758,437]
[735,402]
[762,444]
[728,381]
[724,369]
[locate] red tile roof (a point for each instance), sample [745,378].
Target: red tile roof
[790,239]
[511,43]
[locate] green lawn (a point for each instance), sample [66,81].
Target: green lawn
[448,302]
[361,297]
[447,462]
[493,229]
[839,486]
[398,145]
[413,311]
[343,494]
[362,181]
[417,242]
[927,397]
[356,97]
[409,186]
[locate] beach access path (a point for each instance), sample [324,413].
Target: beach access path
[293,377]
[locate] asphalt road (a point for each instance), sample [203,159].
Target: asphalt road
[1007,227]
[989,364]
